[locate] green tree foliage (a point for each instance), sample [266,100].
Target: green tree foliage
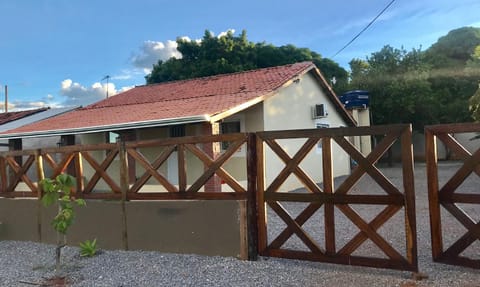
[398,84]
[450,79]
[228,54]
[475,105]
[422,87]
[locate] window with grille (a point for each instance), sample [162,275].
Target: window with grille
[229,128]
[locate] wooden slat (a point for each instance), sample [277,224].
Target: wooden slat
[182,168]
[433,200]
[20,173]
[79,173]
[252,207]
[101,171]
[300,220]
[447,197]
[460,198]
[336,198]
[462,173]
[262,211]
[63,164]
[187,196]
[292,166]
[409,192]
[366,165]
[215,166]
[454,128]
[19,194]
[333,132]
[345,260]
[3,175]
[227,178]
[329,212]
[234,137]
[151,169]
[372,158]
[370,232]
[296,228]
[375,224]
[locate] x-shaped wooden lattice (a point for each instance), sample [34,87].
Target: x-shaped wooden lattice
[448,197]
[213,166]
[100,168]
[368,230]
[20,173]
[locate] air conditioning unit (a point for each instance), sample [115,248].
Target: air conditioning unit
[319,111]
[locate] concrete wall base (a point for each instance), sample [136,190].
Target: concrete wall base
[210,227]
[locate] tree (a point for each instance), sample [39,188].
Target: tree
[58,191]
[451,80]
[229,53]
[397,81]
[475,105]
[422,87]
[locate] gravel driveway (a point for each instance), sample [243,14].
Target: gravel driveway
[26,263]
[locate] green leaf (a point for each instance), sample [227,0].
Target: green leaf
[80,202]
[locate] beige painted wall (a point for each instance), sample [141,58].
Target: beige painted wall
[362,117]
[251,120]
[211,227]
[194,166]
[291,109]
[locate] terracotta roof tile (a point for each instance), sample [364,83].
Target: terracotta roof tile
[179,99]
[12,116]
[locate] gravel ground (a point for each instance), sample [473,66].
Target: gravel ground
[26,263]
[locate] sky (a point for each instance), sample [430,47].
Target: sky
[57,52]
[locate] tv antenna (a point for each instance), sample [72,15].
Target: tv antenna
[107,77]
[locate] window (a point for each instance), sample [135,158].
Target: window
[229,128]
[177,131]
[321,126]
[112,137]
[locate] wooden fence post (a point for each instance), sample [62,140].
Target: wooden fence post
[3,175]
[40,176]
[261,208]
[433,200]
[252,209]
[409,189]
[328,189]
[124,186]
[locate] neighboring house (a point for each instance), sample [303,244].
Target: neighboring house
[277,98]
[14,120]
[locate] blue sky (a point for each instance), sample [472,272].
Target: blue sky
[56,52]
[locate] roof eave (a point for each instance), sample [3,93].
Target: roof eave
[115,127]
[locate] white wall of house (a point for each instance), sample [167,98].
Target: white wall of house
[362,143]
[291,109]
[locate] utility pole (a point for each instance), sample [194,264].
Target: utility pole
[107,77]
[6,99]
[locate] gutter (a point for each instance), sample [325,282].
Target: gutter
[106,128]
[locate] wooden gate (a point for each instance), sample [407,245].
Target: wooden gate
[337,198]
[449,195]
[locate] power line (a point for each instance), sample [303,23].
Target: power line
[363,30]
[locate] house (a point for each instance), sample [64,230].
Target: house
[13,120]
[294,96]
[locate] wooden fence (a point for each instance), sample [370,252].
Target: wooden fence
[450,195]
[30,166]
[333,198]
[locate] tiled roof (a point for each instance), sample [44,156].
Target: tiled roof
[201,97]
[13,116]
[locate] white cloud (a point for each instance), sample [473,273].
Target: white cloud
[77,94]
[152,51]
[222,34]
[25,105]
